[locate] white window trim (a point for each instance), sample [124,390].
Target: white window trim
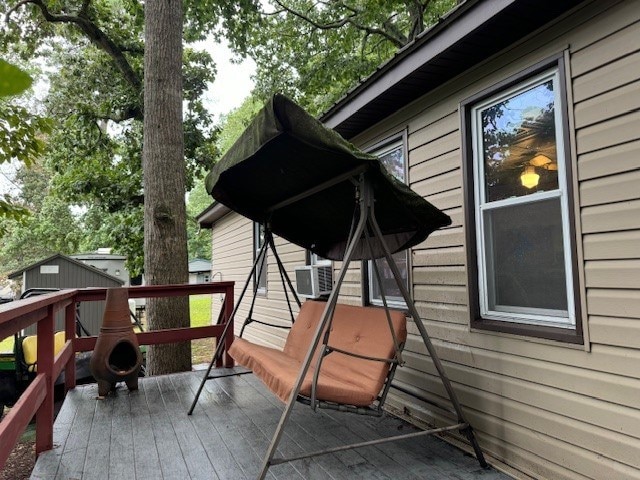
[380,150]
[314,259]
[541,317]
[256,250]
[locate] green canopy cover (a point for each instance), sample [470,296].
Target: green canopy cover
[284,154]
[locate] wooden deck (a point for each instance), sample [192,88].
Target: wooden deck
[148,435]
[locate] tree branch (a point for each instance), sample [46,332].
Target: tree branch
[93,32]
[350,19]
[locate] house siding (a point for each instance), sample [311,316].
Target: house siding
[545,408]
[233,256]
[548,409]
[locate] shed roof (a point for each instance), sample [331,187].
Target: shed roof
[199,265]
[15,275]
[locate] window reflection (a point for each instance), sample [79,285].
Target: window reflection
[519,144]
[394,162]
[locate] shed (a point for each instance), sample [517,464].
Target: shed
[60,271]
[113,265]
[199,270]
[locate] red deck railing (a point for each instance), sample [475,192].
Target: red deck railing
[37,399]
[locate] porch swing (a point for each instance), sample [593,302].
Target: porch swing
[306,184]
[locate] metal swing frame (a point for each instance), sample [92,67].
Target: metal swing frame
[364,226]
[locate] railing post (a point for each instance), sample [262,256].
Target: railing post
[70,334]
[44,414]
[228,308]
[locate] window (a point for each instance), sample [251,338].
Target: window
[260,282]
[392,156]
[521,269]
[314,259]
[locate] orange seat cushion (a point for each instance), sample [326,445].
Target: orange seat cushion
[343,378]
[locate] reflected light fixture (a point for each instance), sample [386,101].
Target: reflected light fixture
[529,177]
[540,160]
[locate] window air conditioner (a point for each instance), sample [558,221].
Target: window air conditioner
[313,281]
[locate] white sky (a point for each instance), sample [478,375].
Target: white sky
[232,83]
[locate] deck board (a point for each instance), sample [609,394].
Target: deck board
[147,434]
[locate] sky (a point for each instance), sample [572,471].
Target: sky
[233,82]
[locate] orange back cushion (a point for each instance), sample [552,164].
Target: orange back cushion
[301,334]
[364,331]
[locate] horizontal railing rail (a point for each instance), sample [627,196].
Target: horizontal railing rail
[37,399]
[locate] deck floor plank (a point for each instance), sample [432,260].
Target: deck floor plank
[47,466]
[75,448]
[193,452]
[221,457]
[226,411]
[96,464]
[172,463]
[147,435]
[121,453]
[146,459]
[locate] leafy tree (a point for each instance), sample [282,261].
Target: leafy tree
[236,121]
[198,240]
[95,99]
[315,51]
[231,126]
[21,133]
[50,228]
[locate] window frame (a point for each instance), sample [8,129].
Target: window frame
[382,147]
[314,259]
[260,290]
[511,322]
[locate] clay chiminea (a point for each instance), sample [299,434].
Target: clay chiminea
[116,357]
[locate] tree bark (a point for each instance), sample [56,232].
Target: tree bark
[165,239]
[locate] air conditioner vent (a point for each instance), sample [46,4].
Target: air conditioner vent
[313,281]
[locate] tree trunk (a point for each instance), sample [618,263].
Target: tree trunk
[165,238]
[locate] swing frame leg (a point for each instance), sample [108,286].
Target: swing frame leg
[220,345]
[366,215]
[468,431]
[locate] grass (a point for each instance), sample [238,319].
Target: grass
[200,308]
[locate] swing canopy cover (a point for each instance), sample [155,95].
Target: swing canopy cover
[288,170]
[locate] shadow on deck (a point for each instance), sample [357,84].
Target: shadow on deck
[148,435]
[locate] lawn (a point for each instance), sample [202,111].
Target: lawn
[200,307]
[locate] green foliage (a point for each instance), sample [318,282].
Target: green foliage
[236,121]
[316,51]
[95,101]
[12,80]
[21,133]
[50,228]
[198,240]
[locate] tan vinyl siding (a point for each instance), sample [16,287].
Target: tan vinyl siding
[551,410]
[548,409]
[232,255]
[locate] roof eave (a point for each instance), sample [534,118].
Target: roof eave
[400,81]
[209,216]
